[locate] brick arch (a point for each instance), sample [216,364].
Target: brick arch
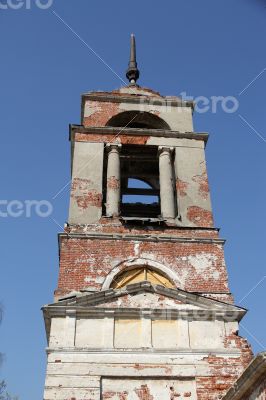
[138,262]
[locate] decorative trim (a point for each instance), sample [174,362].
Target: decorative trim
[163,314]
[138,237]
[114,98]
[86,305]
[146,351]
[86,302]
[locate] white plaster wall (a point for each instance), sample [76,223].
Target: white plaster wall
[58,332]
[90,333]
[74,393]
[160,389]
[190,170]
[87,178]
[231,327]
[127,333]
[206,334]
[120,363]
[175,142]
[170,334]
[178,118]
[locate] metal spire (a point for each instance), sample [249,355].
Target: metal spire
[132,71]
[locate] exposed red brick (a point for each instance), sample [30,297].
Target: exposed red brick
[82,193]
[123,396]
[91,199]
[86,262]
[200,216]
[144,393]
[74,272]
[181,187]
[103,112]
[113,183]
[202,180]
[105,138]
[80,184]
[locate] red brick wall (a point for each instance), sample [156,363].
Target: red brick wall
[224,371]
[103,111]
[85,263]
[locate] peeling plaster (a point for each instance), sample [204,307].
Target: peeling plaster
[202,262]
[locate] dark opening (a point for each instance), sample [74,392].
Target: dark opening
[138,119]
[140,189]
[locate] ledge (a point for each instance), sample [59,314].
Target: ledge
[136,99]
[138,237]
[136,132]
[173,352]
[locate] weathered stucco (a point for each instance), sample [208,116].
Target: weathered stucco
[86,187]
[197,266]
[145,336]
[192,187]
[99,108]
[143,341]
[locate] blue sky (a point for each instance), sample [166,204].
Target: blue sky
[202,48]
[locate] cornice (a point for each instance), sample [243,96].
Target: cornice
[170,313]
[139,237]
[203,136]
[142,99]
[146,351]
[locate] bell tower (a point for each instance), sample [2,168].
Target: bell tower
[142,309]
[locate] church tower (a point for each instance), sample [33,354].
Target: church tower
[142,310]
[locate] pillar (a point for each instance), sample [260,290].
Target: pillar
[146,329]
[166,183]
[113,181]
[109,326]
[70,329]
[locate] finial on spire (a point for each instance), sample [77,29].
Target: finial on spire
[132,71]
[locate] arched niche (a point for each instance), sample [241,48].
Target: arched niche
[157,273]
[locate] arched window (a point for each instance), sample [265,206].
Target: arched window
[140,187]
[140,274]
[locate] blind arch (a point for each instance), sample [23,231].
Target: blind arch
[139,274]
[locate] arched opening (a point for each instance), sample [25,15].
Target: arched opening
[140,199]
[140,187]
[137,119]
[139,274]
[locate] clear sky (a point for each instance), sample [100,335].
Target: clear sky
[204,48]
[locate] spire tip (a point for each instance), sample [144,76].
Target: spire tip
[132,71]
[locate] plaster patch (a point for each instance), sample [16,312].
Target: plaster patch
[202,262]
[136,249]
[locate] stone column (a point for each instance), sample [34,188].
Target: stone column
[113,180]
[166,182]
